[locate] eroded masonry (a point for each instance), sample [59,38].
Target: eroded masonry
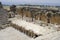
[29,23]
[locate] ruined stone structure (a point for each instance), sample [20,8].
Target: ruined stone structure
[38,12]
[3,16]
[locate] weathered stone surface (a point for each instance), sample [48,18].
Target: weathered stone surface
[3,16]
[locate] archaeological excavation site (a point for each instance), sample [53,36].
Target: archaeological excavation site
[29,22]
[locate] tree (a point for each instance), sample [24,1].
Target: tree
[40,15]
[13,8]
[1,6]
[22,11]
[36,14]
[48,17]
[41,12]
[32,14]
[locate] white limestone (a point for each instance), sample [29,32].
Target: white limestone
[30,26]
[51,36]
[13,34]
[48,32]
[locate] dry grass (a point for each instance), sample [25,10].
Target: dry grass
[43,17]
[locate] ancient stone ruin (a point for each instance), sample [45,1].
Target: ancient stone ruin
[3,16]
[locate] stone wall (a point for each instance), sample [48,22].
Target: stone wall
[3,16]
